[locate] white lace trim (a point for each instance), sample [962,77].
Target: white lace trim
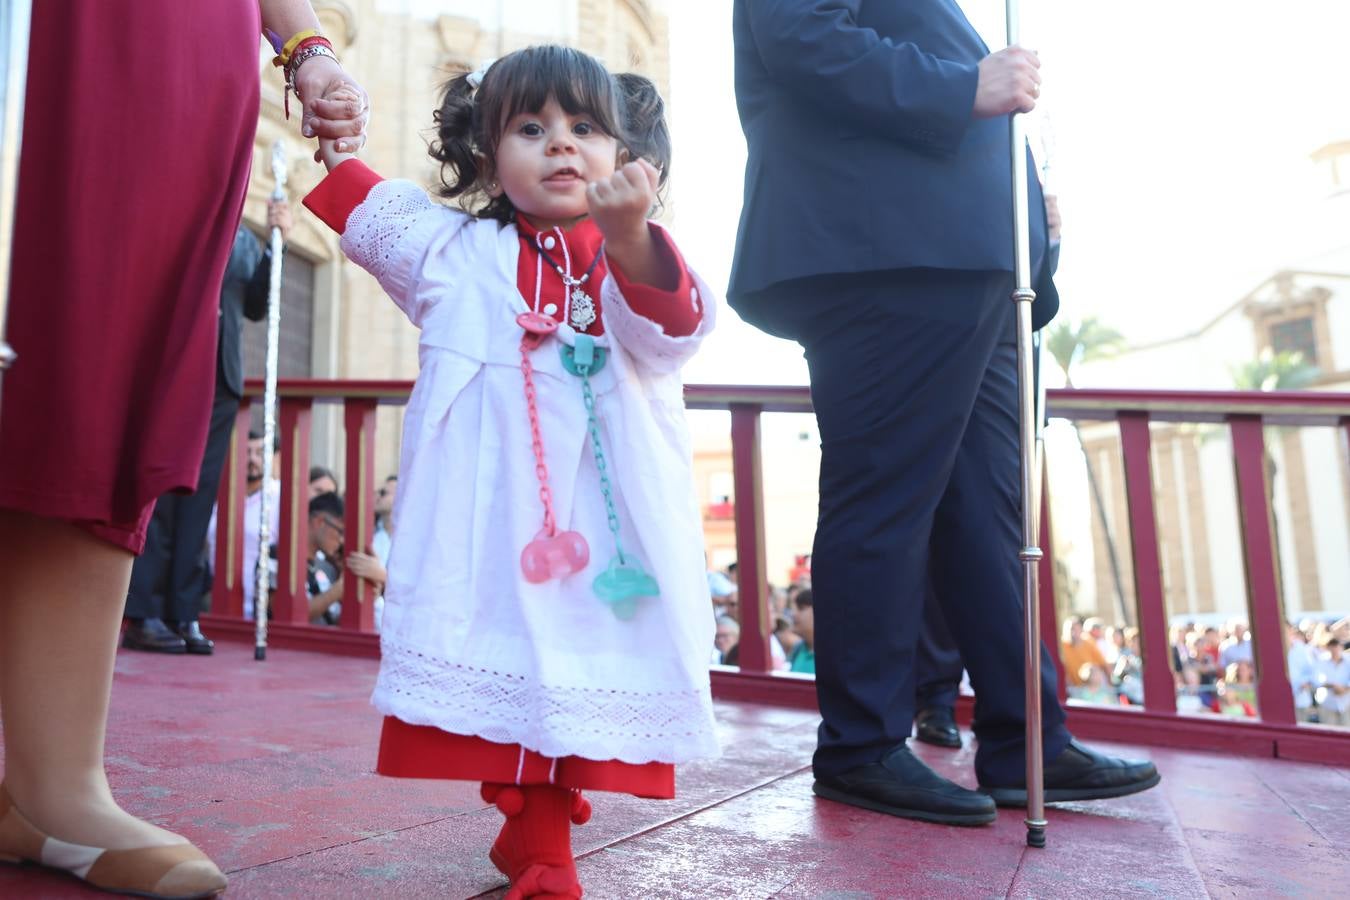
[380,223]
[645,340]
[596,723]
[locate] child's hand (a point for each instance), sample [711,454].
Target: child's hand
[621,203]
[334,151]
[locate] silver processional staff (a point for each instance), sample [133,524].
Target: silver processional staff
[1030,553]
[260,602]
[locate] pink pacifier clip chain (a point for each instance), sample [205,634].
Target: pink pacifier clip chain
[528,342]
[552,554]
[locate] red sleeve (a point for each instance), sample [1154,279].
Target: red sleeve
[341,192]
[678,310]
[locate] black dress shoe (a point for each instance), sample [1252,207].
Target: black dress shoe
[191,633]
[901,785]
[936,726]
[152,635]
[1080,773]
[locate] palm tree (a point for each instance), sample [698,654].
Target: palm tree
[1072,342]
[1283,371]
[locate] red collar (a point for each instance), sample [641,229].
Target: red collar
[583,240]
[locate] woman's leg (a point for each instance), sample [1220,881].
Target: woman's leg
[62,593]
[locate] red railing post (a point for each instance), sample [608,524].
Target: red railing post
[1275,699]
[1159,684]
[227,587]
[358,595]
[750,575]
[290,603]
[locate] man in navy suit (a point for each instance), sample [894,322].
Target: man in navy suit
[877,232]
[166,580]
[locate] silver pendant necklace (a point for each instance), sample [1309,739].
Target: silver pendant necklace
[582,308]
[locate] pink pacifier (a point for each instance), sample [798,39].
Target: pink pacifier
[563,554]
[537,327]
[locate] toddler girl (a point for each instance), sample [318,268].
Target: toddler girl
[546,622]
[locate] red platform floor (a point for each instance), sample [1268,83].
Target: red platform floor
[268,767]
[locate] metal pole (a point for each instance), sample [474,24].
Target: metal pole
[260,596]
[1038,465]
[15,22]
[1030,554]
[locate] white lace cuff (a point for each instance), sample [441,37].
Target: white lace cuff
[645,340]
[388,233]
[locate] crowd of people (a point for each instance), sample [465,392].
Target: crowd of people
[1213,667]
[1319,671]
[325,557]
[791,610]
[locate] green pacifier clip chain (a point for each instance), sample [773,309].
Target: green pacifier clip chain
[624,581]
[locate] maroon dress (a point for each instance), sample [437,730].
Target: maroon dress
[137,143]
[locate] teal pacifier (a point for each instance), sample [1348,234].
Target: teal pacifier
[622,584]
[624,581]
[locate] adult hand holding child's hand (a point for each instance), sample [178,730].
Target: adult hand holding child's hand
[334,104]
[335,150]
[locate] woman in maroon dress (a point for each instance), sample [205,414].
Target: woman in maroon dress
[137,143]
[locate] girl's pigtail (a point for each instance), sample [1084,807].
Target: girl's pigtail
[454,145]
[644,123]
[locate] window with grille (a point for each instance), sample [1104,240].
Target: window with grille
[295,349]
[1295,336]
[295,352]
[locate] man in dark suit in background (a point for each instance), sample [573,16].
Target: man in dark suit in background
[938,668]
[877,232]
[164,599]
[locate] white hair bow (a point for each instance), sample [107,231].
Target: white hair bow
[476,76]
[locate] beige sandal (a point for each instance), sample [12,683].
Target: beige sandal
[172,872]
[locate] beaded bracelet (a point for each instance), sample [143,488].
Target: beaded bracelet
[306,50]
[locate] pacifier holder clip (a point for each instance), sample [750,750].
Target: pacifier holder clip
[555,554]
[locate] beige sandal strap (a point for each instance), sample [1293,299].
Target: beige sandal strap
[19,838]
[141,869]
[175,870]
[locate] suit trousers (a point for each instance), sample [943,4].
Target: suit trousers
[167,580]
[938,669]
[914,383]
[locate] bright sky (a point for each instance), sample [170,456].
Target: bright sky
[1180,137]
[1179,141]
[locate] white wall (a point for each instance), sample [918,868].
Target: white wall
[1330,530]
[556,19]
[1222,528]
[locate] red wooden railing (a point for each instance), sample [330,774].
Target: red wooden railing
[1245,414]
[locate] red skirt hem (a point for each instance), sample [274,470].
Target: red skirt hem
[422,751]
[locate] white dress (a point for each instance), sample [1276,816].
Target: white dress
[468,645]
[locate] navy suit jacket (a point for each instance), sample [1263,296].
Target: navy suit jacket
[243,294]
[863,153]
